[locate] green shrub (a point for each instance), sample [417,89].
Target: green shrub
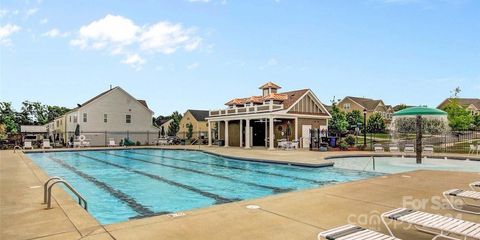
[343,145]
[138,143]
[350,140]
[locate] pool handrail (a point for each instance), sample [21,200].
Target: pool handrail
[80,198]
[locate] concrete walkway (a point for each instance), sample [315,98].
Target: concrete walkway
[295,215]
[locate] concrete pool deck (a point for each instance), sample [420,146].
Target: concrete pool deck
[294,215]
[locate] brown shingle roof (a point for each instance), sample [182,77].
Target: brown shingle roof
[464,102]
[269,85]
[369,104]
[199,115]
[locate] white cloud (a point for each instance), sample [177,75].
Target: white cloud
[134,61]
[31,12]
[166,37]
[270,63]
[6,31]
[119,35]
[3,13]
[194,65]
[111,30]
[54,32]
[44,21]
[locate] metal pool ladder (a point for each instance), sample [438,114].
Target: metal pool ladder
[47,192]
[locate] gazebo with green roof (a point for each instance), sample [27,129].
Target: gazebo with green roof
[418,112]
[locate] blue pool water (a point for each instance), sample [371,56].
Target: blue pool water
[126,184]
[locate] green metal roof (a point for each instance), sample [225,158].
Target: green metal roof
[422,111]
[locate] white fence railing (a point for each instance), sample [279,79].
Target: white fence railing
[244,110]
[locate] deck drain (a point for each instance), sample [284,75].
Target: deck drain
[253,207]
[177,214]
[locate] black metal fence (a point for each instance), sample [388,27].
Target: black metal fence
[451,142]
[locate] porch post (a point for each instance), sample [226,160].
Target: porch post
[296,129]
[241,133]
[247,134]
[209,135]
[271,147]
[226,133]
[266,131]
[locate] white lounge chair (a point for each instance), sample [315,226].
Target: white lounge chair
[472,149]
[475,185]
[353,232]
[440,226]
[281,143]
[77,143]
[428,149]
[46,144]
[292,145]
[393,148]
[111,142]
[409,148]
[463,196]
[27,144]
[378,148]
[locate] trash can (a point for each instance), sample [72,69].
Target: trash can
[333,141]
[221,143]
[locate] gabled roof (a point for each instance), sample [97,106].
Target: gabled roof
[142,102]
[369,104]
[464,102]
[292,97]
[199,115]
[269,85]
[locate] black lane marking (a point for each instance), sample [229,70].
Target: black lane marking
[241,168]
[137,207]
[151,215]
[218,199]
[274,189]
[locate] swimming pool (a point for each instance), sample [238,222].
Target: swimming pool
[126,184]
[401,164]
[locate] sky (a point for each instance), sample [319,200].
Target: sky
[198,54]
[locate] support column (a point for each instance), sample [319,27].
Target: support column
[241,133]
[266,131]
[271,136]
[226,133]
[296,129]
[209,135]
[247,134]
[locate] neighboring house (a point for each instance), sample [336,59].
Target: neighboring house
[348,104]
[470,104]
[265,119]
[164,125]
[114,112]
[197,118]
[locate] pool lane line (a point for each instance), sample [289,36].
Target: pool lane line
[274,189]
[218,199]
[240,168]
[134,205]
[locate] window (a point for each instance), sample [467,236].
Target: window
[69,118]
[75,119]
[58,122]
[128,118]
[105,118]
[346,106]
[84,117]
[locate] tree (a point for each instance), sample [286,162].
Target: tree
[8,118]
[458,117]
[354,118]
[175,125]
[189,131]
[338,124]
[476,121]
[399,107]
[376,123]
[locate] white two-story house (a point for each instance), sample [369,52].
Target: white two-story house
[112,114]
